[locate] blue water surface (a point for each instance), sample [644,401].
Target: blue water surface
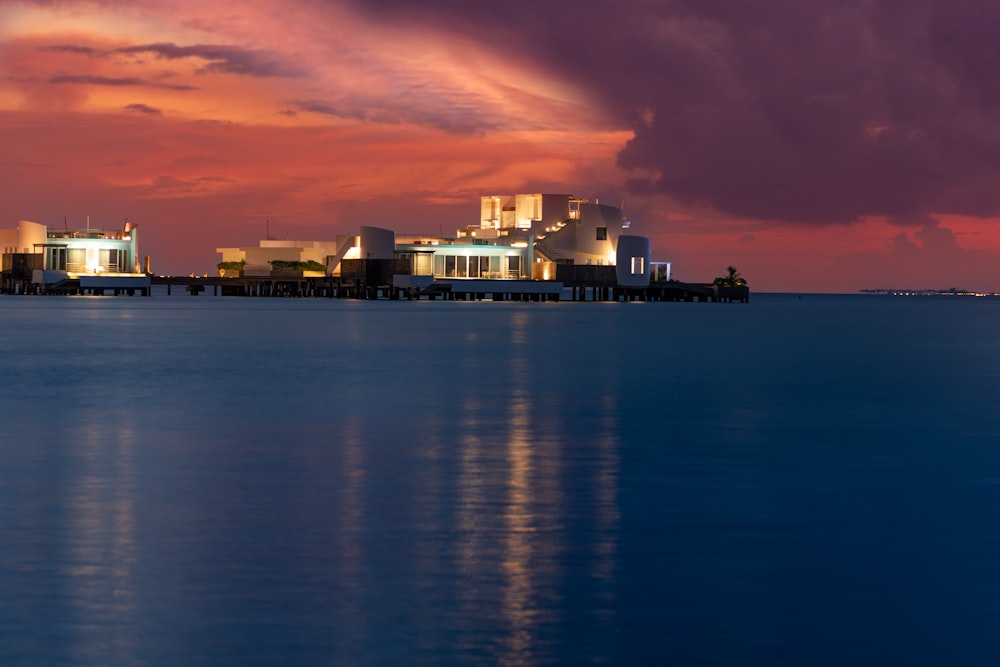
[805,480]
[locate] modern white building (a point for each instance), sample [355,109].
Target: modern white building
[518,237]
[87,260]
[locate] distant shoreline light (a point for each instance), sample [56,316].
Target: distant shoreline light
[928,292]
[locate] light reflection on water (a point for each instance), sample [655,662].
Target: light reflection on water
[518,484]
[101,541]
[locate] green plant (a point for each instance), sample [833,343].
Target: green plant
[285,265]
[731,279]
[232,266]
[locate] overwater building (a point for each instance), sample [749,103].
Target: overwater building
[518,237]
[91,260]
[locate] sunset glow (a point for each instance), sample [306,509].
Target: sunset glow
[202,121]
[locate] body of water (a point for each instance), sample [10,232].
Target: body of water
[246,481]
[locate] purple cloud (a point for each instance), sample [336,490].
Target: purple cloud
[72,48]
[802,110]
[449,115]
[94,80]
[143,108]
[221,58]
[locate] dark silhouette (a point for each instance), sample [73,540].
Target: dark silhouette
[731,279]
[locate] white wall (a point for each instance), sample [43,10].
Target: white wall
[377,243]
[28,234]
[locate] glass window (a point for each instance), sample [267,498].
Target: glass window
[513,266]
[57,259]
[422,265]
[76,259]
[602,233]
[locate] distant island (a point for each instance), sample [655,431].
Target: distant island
[953,291]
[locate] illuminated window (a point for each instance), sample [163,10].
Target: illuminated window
[602,233]
[638,266]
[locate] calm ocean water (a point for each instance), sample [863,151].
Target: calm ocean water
[238,481]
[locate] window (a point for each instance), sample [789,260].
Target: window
[422,264]
[76,259]
[513,266]
[57,259]
[602,233]
[638,266]
[112,259]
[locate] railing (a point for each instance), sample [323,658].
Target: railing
[86,234]
[510,274]
[80,267]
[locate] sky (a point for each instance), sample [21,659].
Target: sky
[817,146]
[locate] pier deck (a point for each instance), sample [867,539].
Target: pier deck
[452,290]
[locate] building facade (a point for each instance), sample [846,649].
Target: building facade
[518,237]
[74,260]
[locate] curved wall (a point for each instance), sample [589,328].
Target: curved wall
[633,255]
[377,243]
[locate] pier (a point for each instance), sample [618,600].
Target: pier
[451,290]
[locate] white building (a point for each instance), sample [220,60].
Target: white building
[518,237]
[88,259]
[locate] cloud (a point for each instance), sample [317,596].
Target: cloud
[937,237]
[805,111]
[222,58]
[72,48]
[454,117]
[143,108]
[95,80]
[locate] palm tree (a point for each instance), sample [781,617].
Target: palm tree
[731,279]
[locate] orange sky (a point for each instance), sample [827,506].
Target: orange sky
[207,123]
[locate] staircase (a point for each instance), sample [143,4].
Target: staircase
[333,261]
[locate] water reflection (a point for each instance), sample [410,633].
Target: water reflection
[518,564]
[474,521]
[349,546]
[527,493]
[607,515]
[100,539]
